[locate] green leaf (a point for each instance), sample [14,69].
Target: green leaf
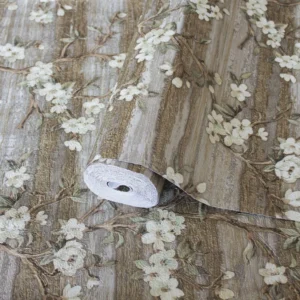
[191,270]
[290,242]
[138,220]
[120,240]
[137,275]
[5,202]
[140,264]
[78,199]
[46,260]
[290,232]
[246,75]
[109,239]
[184,249]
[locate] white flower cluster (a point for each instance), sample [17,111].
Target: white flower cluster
[256,10]
[61,10]
[292,198]
[273,274]
[70,258]
[206,11]
[290,62]
[93,107]
[131,91]
[164,230]
[58,94]
[40,78]
[174,177]
[235,132]
[81,125]
[39,74]
[16,177]
[11,53]
[288,169]
[13,222]
[41,16]
[148,43]
[118,61]
[239,92]
[72,229]
[159,269]
[71,293]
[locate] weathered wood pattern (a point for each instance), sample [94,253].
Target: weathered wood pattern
[169,131]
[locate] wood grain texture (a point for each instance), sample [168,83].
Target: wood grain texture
[170,131]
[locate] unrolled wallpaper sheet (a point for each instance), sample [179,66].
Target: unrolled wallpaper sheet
[150,149]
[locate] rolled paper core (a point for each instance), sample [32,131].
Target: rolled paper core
[124,183]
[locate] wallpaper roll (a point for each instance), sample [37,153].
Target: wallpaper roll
[169,124]
[115,181]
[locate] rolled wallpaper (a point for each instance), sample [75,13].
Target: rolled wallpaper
[223,120]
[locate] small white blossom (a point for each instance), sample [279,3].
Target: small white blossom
[13,222]
[41,218]
[70,258]
[176,178]
[262,134]
[266,26]
[201,187]
[8,230]
[224,293]
[290,62]
[215,127]
[39,74]
[243,127]
[239,92]
[72,229]
[18,216]
[147,44]
[273,274]
[256,7]
[73,145]
[288,169]
[155,272]
[71,293]
[288,77]
[228,275]
[177,82]
[292,198]
[158,233]
[41,16]
[92,282]
[167,68]
[131,91]
[164,259]
[93,107]
[16,177]
[12,6]
[12,53]
[122,15]
[165,289]
[60,12]
[80,125]
[117,61]
[290,146]
[292,215]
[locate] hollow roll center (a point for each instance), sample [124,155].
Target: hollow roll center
[119,187]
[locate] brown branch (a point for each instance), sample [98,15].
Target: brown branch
[32,107]
[91,212]
[181,40]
